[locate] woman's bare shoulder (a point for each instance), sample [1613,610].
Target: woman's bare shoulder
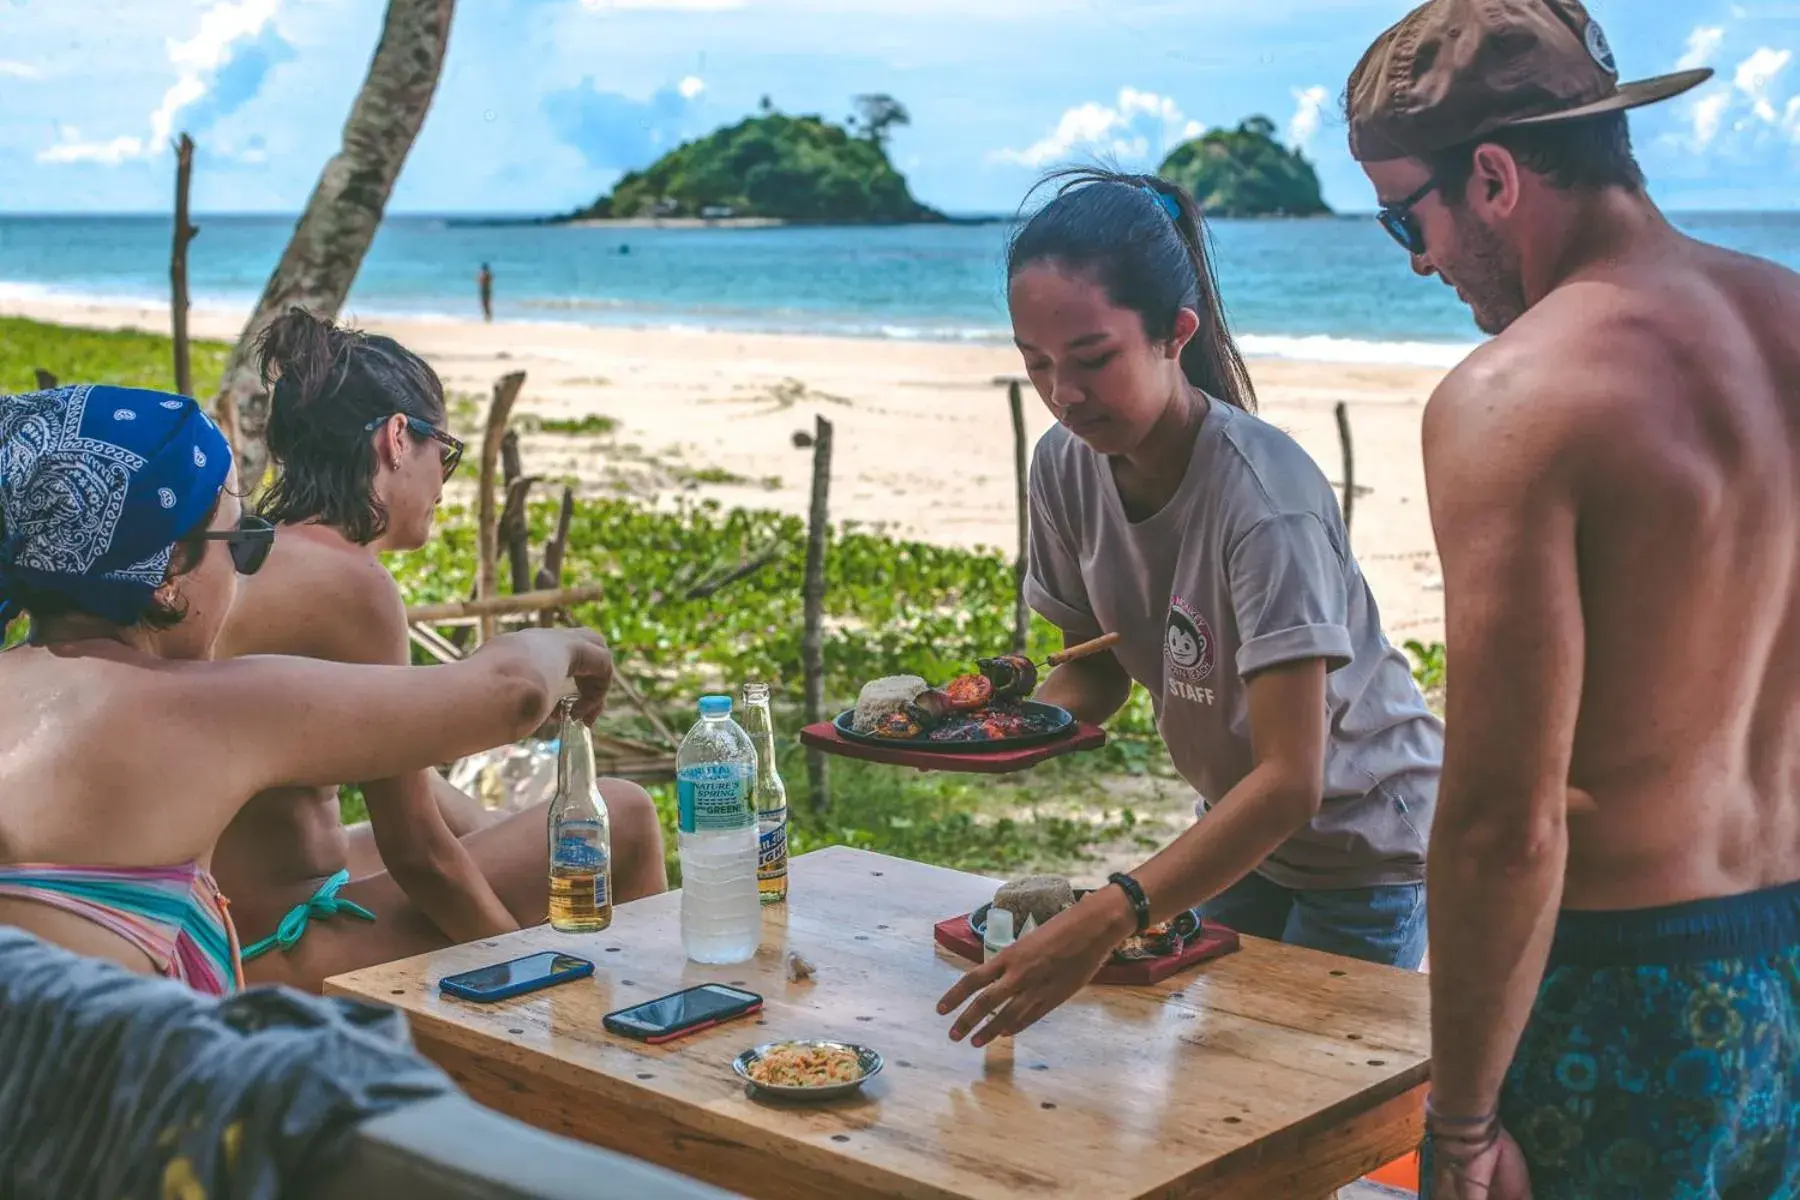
[318,596]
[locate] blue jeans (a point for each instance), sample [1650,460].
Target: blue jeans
[1377,924]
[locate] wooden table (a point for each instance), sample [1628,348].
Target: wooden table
[1275,1072]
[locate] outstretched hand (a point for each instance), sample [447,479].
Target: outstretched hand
[1033,976]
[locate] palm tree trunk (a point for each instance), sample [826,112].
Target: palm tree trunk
[333,234]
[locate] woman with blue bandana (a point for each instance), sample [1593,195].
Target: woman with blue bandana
[357,433]
[125,750]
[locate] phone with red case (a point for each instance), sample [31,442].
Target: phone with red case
[681,1013]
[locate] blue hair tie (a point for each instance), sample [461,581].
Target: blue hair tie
[1169,204]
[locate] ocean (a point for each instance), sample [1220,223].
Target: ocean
[1333,289]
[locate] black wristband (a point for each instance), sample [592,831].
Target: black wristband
[1140,903]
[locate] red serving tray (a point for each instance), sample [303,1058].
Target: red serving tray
[1214,940]
[824,737]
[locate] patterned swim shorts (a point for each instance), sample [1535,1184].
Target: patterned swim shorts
[1662,1059]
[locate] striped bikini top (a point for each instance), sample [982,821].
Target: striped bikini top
[175,915]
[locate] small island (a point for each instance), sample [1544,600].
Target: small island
[775,168]
[1245,172]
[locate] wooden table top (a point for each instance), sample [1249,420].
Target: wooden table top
[1275,1071]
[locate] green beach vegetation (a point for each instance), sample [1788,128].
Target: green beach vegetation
[793,168]
[1246,172]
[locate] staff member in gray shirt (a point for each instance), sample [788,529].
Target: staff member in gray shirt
[1162,510]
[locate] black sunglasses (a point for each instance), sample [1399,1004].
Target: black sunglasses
[249,543]
[425,431]
[1402,223]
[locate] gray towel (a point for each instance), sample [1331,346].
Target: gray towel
[115,1085]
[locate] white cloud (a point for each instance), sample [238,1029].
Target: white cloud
[1756,78]
[1747,112]
[690,87]
[1709,115]
[1137,126]
[1702,44]
[1309,113]
[19,70]
[197,61]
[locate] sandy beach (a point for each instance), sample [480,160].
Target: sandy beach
[923,437]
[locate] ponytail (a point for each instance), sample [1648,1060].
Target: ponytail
[1144,239]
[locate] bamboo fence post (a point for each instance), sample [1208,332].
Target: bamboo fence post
[1343,424]
[178,265]
[550,574]
[812,638]
[1021,469]
[506,393]
[515,525]
[489,607]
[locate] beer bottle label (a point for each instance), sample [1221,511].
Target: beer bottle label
[771,852]
[577,847]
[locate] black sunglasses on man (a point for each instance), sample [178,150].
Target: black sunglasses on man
[1402,223]
[425,431]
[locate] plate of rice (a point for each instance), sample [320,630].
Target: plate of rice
[808,1070]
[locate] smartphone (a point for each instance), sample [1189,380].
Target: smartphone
[669,1017]
[484,985]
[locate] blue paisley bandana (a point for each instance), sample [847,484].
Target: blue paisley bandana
[97,484]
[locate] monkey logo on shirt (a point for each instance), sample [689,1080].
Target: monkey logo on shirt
[1189,651]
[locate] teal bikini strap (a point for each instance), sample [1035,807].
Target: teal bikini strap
[324,903]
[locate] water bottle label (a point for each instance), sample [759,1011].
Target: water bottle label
[771,852]
[713,797]
[577,848]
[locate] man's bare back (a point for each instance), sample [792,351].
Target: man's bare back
[1687,740]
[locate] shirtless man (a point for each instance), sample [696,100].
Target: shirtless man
[1615,489]
[356,425]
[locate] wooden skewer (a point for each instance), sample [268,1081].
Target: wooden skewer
[1099,645]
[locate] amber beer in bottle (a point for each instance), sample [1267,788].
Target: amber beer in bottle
[581,898]
[770,797]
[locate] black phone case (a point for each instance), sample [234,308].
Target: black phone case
[752,1004]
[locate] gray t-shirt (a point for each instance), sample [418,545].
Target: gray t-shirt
[1246,568]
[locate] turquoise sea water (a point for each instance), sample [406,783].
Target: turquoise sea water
[1334,289]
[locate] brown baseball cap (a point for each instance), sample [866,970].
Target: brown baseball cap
[1457,70]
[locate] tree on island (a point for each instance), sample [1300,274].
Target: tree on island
[1245,172]
[776,166]
[877,113]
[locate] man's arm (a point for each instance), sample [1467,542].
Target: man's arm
[1502,487]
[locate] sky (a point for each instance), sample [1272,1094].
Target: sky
[544,103]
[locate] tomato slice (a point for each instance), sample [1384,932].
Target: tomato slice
[969,692]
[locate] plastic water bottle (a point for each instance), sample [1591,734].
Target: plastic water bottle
[721,916]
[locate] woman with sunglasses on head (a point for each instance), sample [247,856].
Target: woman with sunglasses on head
[125,747]
[1163,510]
[356,432]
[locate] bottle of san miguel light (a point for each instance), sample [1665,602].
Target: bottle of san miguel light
[581,898]
[770,796]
